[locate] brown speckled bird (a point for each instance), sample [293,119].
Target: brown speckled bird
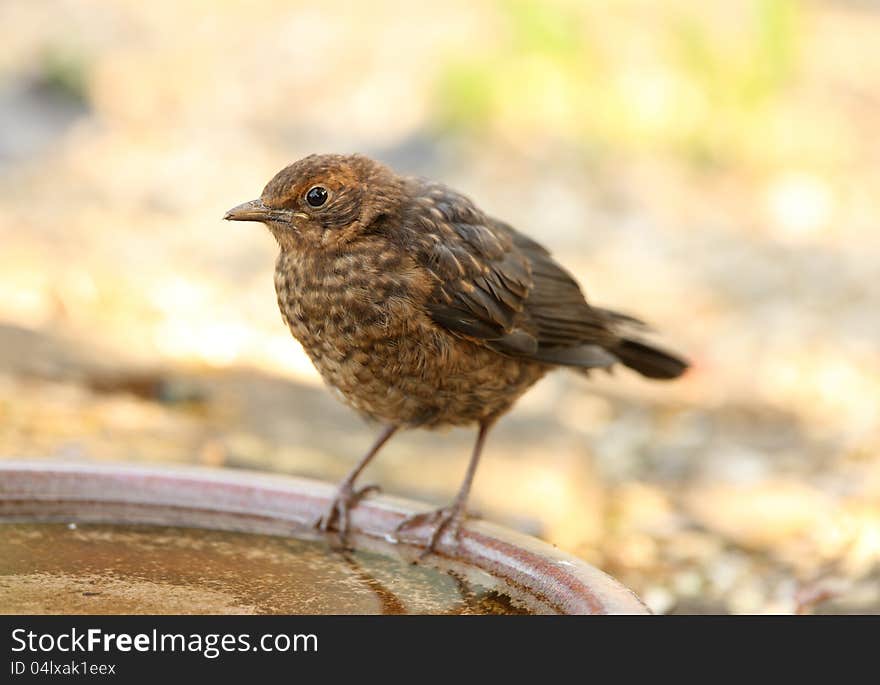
[422,311]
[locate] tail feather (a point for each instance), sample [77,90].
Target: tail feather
[651,362]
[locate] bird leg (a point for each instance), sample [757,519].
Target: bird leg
[347,496]
[450,517]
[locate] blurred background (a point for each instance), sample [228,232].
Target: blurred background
[711,167]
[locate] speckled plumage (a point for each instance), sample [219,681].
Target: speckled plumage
[361,317]
[420,309]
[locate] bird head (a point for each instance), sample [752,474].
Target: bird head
[323,201]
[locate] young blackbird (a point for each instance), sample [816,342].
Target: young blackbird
[422,311]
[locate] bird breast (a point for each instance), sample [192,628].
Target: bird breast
[360,317]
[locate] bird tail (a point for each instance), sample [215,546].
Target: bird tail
[648,360]
[633,349]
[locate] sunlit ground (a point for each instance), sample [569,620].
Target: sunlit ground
[713,171]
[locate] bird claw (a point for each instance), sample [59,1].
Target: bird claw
[446,519]
[345,499]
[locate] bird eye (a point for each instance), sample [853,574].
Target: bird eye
[316,196]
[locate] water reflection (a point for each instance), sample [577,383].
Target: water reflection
[103,569]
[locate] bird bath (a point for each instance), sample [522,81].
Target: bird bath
[81,537]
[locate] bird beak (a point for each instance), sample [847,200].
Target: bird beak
[254,210]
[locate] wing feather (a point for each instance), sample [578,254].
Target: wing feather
[499,287]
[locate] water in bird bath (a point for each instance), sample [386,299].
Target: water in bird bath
[125,569]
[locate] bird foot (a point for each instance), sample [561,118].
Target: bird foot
[346,499]
[447,519]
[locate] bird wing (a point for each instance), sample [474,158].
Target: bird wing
[497,287]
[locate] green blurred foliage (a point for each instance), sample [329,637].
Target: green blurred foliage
[739,82]
[692,89]
[64,70]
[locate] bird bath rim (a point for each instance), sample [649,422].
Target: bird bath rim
[263,503]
